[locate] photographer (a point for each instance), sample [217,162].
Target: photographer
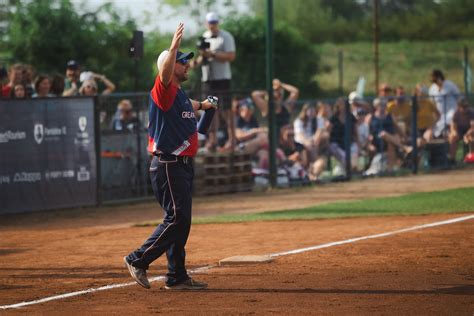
[216,51]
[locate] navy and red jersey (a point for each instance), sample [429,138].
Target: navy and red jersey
[172,124]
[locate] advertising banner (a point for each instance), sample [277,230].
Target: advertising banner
[47,154]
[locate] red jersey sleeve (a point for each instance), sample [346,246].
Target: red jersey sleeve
[163,96]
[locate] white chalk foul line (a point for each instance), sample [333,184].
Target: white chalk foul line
[352,240]
[205,268]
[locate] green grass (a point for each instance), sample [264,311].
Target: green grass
[401,63]
[438,202]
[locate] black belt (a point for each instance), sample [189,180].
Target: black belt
[173,158]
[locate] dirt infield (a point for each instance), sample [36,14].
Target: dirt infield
[429,271]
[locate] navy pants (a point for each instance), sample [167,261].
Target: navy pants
[172,179]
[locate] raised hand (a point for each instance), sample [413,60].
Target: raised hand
[178,35]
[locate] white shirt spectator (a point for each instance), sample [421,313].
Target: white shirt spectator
[445,99]
[217,70]
[302,133]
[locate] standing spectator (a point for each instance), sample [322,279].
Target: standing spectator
[15,76]
[42,87]
[125,120]
[400,110]
[71,82]
[89,86]
[337,131]
[445,94]
[216,52]
[385,92]
[19,91]
[461,125]
[57,85]
[283,106]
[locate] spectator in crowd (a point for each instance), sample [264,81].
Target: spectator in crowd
[385,92]
[125,121]
[42,87]
[469,141]
[15,76]
[385,135]
[292,153]
[89,85]
[323,115]
[57,85]
[19,91]
[445,94]
[251,138]
[28,75]
[283,107]
[357,103]
[305,126]
[72,82]
[337,131]
[462,124]
[363,130]
[216,52]
[427,115]
[400,110]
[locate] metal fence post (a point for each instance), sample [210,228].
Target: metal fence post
[98,157]
[414,134]
[348,139]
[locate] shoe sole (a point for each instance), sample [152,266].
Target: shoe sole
[181,287]
[129,267]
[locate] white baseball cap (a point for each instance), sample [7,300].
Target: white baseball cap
[212,17]
[180,55]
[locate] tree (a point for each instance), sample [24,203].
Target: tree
[47,33]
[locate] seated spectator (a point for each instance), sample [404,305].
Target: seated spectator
[445,94]
[89,85]
[385,135]
[42,87]
[337,131]
[125,121]
[461,125]
[71,82]
[283,107]
[323,115]
[363,130]
[251,138]
[292,154]
[19,92]
[426,117]
[400,110]
[15,76]
[469,141]
[57,85]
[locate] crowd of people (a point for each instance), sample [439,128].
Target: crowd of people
[21,82]
[381,137]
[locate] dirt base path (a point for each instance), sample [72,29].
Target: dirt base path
[427,271]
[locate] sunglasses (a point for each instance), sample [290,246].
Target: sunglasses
[91,87]
[183,61]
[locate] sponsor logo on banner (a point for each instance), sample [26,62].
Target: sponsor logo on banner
[83,174]
[60,174]
[39,133]
[82,123]
[82,137]
[42,133]
[27,177]
[8,135]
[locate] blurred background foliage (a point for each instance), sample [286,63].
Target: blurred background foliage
[308,36]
